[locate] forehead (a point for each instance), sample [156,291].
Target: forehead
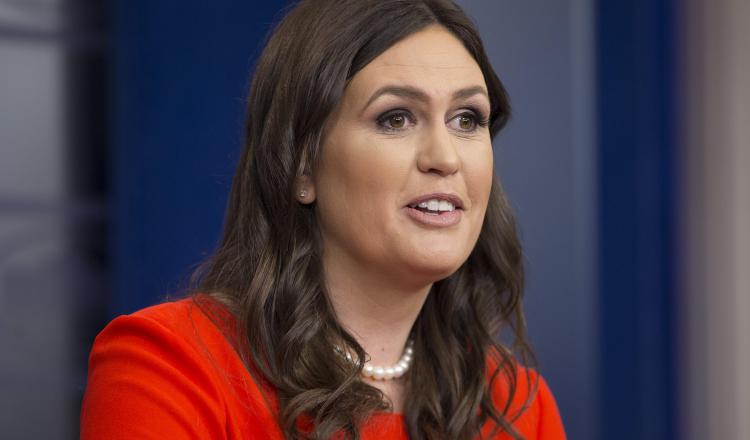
[432,59]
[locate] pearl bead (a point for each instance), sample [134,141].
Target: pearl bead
[378,373]
[388,373]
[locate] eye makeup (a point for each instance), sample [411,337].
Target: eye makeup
[395,120]
[400,119]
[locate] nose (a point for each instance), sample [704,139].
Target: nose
[438,154]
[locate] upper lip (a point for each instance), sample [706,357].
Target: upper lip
[453,198]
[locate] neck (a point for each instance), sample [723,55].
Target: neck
[377,313]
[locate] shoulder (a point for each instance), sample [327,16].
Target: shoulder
[183,316]
[532,408]
[166,371]
[173,328]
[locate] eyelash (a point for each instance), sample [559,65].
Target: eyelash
[475,115]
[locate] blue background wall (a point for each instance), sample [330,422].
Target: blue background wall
[179,80]
[546,158]
[636,163]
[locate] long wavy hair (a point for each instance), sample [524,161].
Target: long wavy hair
[268,272]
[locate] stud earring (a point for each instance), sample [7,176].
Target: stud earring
[302,194]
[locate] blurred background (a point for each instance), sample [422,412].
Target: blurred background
[626,162]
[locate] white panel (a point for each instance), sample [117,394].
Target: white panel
[32,15]
[36,331]
[716,208]
[31,121]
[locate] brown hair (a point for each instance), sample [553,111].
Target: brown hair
[268,267]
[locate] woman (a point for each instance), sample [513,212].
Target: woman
[369,259]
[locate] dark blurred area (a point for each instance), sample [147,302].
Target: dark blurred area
[626,162]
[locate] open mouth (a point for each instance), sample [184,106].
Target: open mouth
[434,206]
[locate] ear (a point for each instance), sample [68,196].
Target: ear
[304,189]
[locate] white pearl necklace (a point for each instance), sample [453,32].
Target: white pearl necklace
[394,371]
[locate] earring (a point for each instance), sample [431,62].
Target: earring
[302,194]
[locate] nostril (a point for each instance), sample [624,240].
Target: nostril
[442,171]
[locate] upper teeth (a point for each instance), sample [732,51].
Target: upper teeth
[437,205]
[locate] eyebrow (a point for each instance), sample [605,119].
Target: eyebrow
[419,95]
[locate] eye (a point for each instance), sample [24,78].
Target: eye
[464,122]
[395,120]
[467,121]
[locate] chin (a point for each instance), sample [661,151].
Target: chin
[435,269]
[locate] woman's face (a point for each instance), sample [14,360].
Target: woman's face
[405,166]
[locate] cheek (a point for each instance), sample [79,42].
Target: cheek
[479,172]
[358,182]
[363,171]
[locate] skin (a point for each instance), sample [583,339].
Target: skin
[380,263]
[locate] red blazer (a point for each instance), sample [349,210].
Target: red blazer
[168,372]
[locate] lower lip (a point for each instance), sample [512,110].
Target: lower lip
[442,220]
